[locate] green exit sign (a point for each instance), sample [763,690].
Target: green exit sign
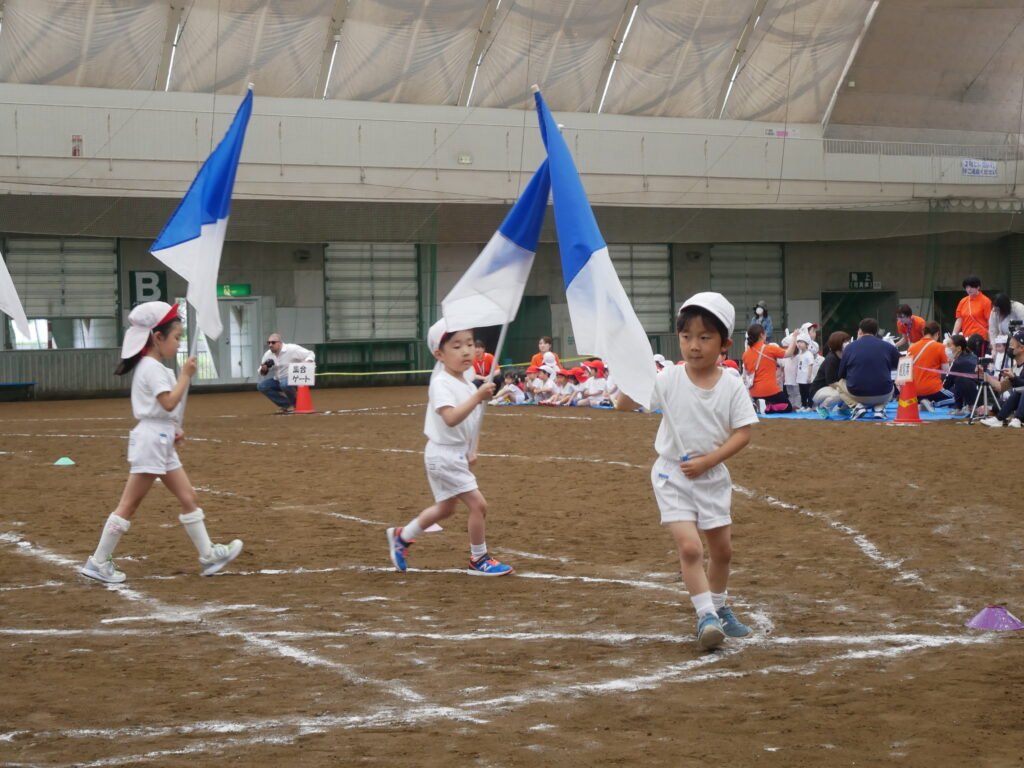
[233,290]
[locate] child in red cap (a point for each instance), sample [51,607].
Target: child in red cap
[158,404]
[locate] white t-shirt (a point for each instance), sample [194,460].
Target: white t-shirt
[446,390]
[595,387]
[790,371]
[805,367]
[290,353]
[545,389]
[151,378]
[704,418]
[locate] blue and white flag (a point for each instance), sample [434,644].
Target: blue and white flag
[10,304]
[191,241]
[603,321]
[490,290]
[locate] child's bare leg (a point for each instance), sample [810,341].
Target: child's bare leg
[442,510]
[719,558]
[134,492]
[177,483]
[691,556]
[477,522]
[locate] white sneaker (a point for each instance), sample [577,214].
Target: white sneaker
[106,572]
[220,555]
[992,421]
[927,405]
[1014,423]
[879,412]
[761,405]
[857,412]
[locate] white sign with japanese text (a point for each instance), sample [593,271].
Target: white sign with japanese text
[301,374]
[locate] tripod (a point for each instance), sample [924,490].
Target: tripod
[986,397]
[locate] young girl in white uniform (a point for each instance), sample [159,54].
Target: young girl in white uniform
[451,426]
[157,402]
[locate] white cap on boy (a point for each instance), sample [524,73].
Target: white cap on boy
[141,322]
[717,305]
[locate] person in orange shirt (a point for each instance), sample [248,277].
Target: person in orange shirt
[928,355]
[909,326]
[972,313]
[544,345]
[759,360]
[484,369]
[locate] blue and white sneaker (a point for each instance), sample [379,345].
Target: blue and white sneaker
[709,632]
[398,549]
[488,566]
[858,412]
[823,412]
[732,626]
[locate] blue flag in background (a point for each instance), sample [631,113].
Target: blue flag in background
[191,241]
[603,321]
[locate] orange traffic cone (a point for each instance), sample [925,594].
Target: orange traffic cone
[907,411]
[303,400]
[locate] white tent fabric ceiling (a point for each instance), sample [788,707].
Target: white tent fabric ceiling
[956,64]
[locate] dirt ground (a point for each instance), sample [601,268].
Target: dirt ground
[861,550]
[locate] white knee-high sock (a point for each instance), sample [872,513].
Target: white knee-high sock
[196,530]
[112,531]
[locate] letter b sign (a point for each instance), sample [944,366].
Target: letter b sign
[147,286]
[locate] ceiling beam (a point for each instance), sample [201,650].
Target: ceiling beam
[483,36]
[613,53]
[333,38]
[737,54]
[174,11]
[849,63]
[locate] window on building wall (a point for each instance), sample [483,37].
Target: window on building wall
[645,272]
[68,288]
[372,291]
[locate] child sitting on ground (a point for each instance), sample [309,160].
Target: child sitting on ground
[511,392]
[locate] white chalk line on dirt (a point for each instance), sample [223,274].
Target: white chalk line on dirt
[164,612]
[288,729]
[863,543]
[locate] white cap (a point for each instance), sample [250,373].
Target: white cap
[1001,339]
[804,338]
[717,305]
[660,359]
[437,332]
[141,322]
[550,370]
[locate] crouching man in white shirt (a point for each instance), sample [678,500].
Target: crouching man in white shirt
[274,366]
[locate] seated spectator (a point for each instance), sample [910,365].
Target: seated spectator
[511,392]
[545,387]
[759,363]
[865,371]
[962,379]
[545,356]
[274,366]
[484,367]
[928,356]
[564,389]
[824,395]
[730,365]
[909,326]
[595,390]
[1011,382]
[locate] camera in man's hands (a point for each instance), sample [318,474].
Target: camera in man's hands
[269,363]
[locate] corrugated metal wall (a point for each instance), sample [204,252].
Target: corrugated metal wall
[66,372]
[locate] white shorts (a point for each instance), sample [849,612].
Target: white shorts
[706,500]
[448,470]
[151,448]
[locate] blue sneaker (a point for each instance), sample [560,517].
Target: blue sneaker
[488,566]
[398,549]
[709,632]
[823,412]
[732,626]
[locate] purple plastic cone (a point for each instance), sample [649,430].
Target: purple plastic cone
[995,617]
